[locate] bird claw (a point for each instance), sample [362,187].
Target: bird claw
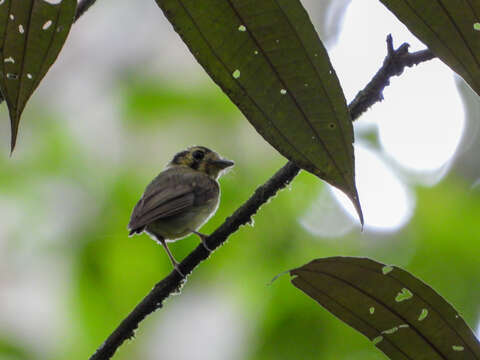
[203,238]
[176,266]
[206,247]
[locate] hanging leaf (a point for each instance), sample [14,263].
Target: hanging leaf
[32,33]
[400,314]
[451,29]
[267,57]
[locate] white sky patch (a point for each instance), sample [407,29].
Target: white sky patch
[371,22]
[424,134]
[421,120]
[326,217]
[386,202]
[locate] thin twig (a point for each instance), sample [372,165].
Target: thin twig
[394,64]
[173,282]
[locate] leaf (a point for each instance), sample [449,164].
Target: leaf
[451,29]
[400,314]
[32,33]
[267,57]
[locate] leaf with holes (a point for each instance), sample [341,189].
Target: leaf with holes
[451,29]
[32,35]
[401,315]
[267,57]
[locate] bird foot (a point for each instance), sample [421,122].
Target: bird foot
[176,266]
[203,238]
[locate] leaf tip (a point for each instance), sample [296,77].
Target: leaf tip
[356,203]
[13,139]
[14,130]
[351,192]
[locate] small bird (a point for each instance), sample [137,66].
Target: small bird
[181,198]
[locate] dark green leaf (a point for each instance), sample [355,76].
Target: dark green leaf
[267,57]
[32,33]
[451,29]
[400,314]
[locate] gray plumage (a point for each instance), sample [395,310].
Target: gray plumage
[181,198]
[176,203]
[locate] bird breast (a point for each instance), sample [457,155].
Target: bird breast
[178,226]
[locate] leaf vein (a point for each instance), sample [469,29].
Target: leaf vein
[452,53]
[355,316]
[432,308]
[304,115]
[383,304]
[180,2]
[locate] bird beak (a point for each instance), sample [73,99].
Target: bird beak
[222,163]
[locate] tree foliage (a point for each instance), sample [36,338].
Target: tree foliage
[268,59]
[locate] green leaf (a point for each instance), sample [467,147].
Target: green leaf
[449,29]
[32,33]
[267,57]
[400,314]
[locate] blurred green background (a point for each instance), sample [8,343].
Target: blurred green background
[110,114]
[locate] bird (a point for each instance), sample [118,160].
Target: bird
[183,197]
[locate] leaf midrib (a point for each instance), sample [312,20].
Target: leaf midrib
[355,315]
[20,75]
[383,304]
[304,115]
[339,124]
[180,2]
[4,77]
[452,53]
[433,308]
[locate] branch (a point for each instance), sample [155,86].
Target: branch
[394,64]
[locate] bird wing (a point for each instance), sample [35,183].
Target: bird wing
[167,195]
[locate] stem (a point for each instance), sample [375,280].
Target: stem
[393,65]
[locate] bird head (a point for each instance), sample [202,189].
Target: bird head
[202,159]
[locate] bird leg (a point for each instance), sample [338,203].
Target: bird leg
[162,241]
[203,239]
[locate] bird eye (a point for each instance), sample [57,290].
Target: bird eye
[198,154]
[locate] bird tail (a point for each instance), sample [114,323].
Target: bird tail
[135,231]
